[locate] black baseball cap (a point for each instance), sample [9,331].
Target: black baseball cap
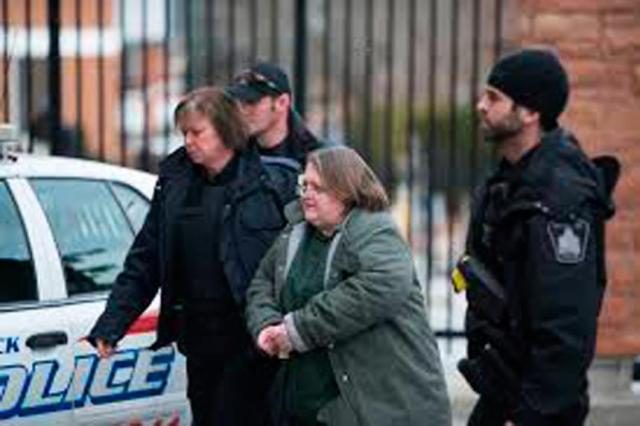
[261,79]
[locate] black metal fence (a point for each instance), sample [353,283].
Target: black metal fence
[396,79]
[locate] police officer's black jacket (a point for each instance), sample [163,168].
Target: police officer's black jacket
[538,225]
[251,220]
[298,143]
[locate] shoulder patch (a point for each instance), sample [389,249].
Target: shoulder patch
[569,240]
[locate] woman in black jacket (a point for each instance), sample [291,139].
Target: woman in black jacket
[215,212]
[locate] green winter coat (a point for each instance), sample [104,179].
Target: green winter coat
[370,317]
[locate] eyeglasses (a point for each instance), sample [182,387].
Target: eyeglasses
[305,187]
[253,78]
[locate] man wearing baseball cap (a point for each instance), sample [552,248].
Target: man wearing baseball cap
[537,230]
[264,94]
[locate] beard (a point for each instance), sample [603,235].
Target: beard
[504,129]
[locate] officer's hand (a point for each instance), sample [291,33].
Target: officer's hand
[509,423]
[105,350]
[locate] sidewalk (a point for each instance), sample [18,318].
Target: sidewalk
[614,408]
[461,396]
[451,350]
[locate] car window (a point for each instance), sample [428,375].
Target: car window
[90,229]
[134,204]
[18,283]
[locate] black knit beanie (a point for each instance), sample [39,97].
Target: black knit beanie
[535,79]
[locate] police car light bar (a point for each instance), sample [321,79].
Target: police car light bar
[8,142]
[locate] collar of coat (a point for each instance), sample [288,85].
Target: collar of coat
[556,174]
[298,226]
[294,215]
[250,171]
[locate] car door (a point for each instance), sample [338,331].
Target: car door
[36,361]
[93,223]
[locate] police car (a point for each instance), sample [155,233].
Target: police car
[65,228]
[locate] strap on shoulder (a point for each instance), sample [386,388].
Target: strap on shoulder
[286,162]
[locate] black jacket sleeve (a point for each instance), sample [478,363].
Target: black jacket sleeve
[560,302]
[137,284]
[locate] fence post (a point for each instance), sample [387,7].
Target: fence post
[55,101]
[300,57]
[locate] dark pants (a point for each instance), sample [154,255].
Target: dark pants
[487,412]
[296,422]
[230,392]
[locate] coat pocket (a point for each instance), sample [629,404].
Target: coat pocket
[337,413]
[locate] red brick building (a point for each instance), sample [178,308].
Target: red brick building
[599,41]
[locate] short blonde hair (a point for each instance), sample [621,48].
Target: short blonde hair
[349,178]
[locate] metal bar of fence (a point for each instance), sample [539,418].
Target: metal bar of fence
[497,46]
[368,74]
[123,85]
[450,334]
[6,60]
[28,64]
[231,41]
[453,136]
[300,57]
[209,13]
[275,31]
[253,30]
[497,31]
[145,153]
[101,94]
[167,73]
[411,65]
[326,62]
[473,89]
[346,75]
[79,69]
[388,135]
[55,100]
[188,75]
[431,141]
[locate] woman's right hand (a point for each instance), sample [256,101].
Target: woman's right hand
[275,341]
[104,348]
[266,341]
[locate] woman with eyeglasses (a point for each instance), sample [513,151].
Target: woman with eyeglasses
[337,299]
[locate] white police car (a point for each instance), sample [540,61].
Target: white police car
[65,228]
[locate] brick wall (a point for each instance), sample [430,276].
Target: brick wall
[599,42]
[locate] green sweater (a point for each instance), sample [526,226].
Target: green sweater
[308,382]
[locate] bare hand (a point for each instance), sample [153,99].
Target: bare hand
[509,423]
[266,341]
[274,340]
[282,340]
[105,350]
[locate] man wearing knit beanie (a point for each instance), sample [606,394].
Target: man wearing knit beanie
[525,88]
[537,230]
[534,79]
